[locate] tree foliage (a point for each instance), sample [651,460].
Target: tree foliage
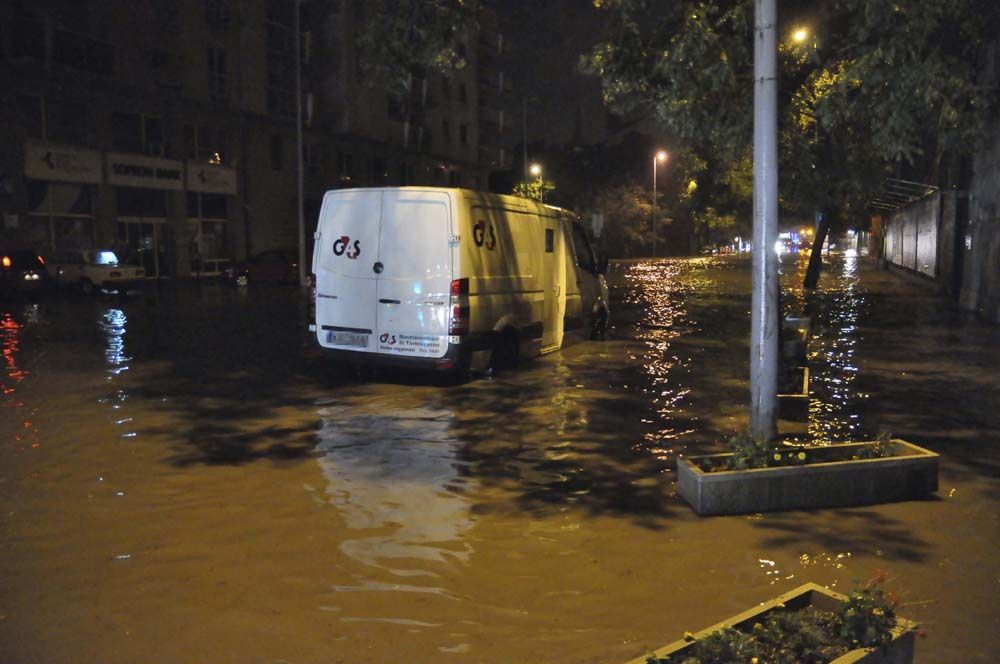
[627,211]
[885,87]
[536,189]
[400,37]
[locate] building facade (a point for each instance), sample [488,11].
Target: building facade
[166,129]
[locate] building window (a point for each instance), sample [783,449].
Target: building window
[314,156]
[378,172]
[136,132]
[206,206]
[82,52]
[206,144]
[166,17]
[446,87]
[281,59]
[60,215]
[345,166]
[463,96]
[463,134]
[277,153]
[216,73]
[446,131]
[217,13]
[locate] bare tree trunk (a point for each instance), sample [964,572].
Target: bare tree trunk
[816,255]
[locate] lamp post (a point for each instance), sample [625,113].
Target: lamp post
[298,145]
[658,158]
[536,170]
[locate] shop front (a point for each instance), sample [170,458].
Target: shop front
[61,189]
[145,190]
[210,192]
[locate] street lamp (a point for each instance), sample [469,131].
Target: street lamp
[536,170]
[800,35]
[658,158]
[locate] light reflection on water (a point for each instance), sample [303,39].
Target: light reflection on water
[113,323]
[396,482]
[659,292]
[11,344]
[835,408]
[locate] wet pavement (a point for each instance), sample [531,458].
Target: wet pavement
[183,478]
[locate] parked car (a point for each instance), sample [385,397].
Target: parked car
[91,270]
[22,271]
[276,266]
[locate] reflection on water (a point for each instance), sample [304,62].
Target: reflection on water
[658,292]
[113,324]
[11,344]
[836,407]
[396,482]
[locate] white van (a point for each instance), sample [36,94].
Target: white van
[451,279]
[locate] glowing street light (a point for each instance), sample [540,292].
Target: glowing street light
[658,158]
[800,35]
[536,170]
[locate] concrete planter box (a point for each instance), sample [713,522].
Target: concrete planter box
[795,333]
[831,479]
[898,651]
[794,405]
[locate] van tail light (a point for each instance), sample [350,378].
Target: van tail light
[40,260]
[459,323]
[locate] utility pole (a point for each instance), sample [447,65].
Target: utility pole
[298,142]
[764,318]
[524,135]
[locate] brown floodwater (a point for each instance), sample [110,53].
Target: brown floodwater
[183,478]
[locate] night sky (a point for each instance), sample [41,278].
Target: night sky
[547,39]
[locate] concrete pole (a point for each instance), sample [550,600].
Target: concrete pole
[298,142]
[653,207]
[764,308]
[524,135]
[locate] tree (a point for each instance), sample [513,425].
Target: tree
[627,211]
[400,37]
[537,189]
[886,88]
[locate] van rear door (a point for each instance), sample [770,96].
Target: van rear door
[346,281]
[414,285]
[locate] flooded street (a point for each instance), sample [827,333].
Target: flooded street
[185,479]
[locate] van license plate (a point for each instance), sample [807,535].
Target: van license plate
[347,339]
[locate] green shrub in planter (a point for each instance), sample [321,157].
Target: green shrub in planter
[866,618]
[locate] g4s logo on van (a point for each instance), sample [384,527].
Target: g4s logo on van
[342,247]
[388,339]
[483,235]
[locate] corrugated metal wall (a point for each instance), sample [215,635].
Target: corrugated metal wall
[912,236]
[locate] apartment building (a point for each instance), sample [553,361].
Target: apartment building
[166,129]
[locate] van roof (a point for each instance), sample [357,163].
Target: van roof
[469,194]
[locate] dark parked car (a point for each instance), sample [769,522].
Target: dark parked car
[22,271]
[275,266]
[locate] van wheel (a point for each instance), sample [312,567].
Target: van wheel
[505,354]
[599,328]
